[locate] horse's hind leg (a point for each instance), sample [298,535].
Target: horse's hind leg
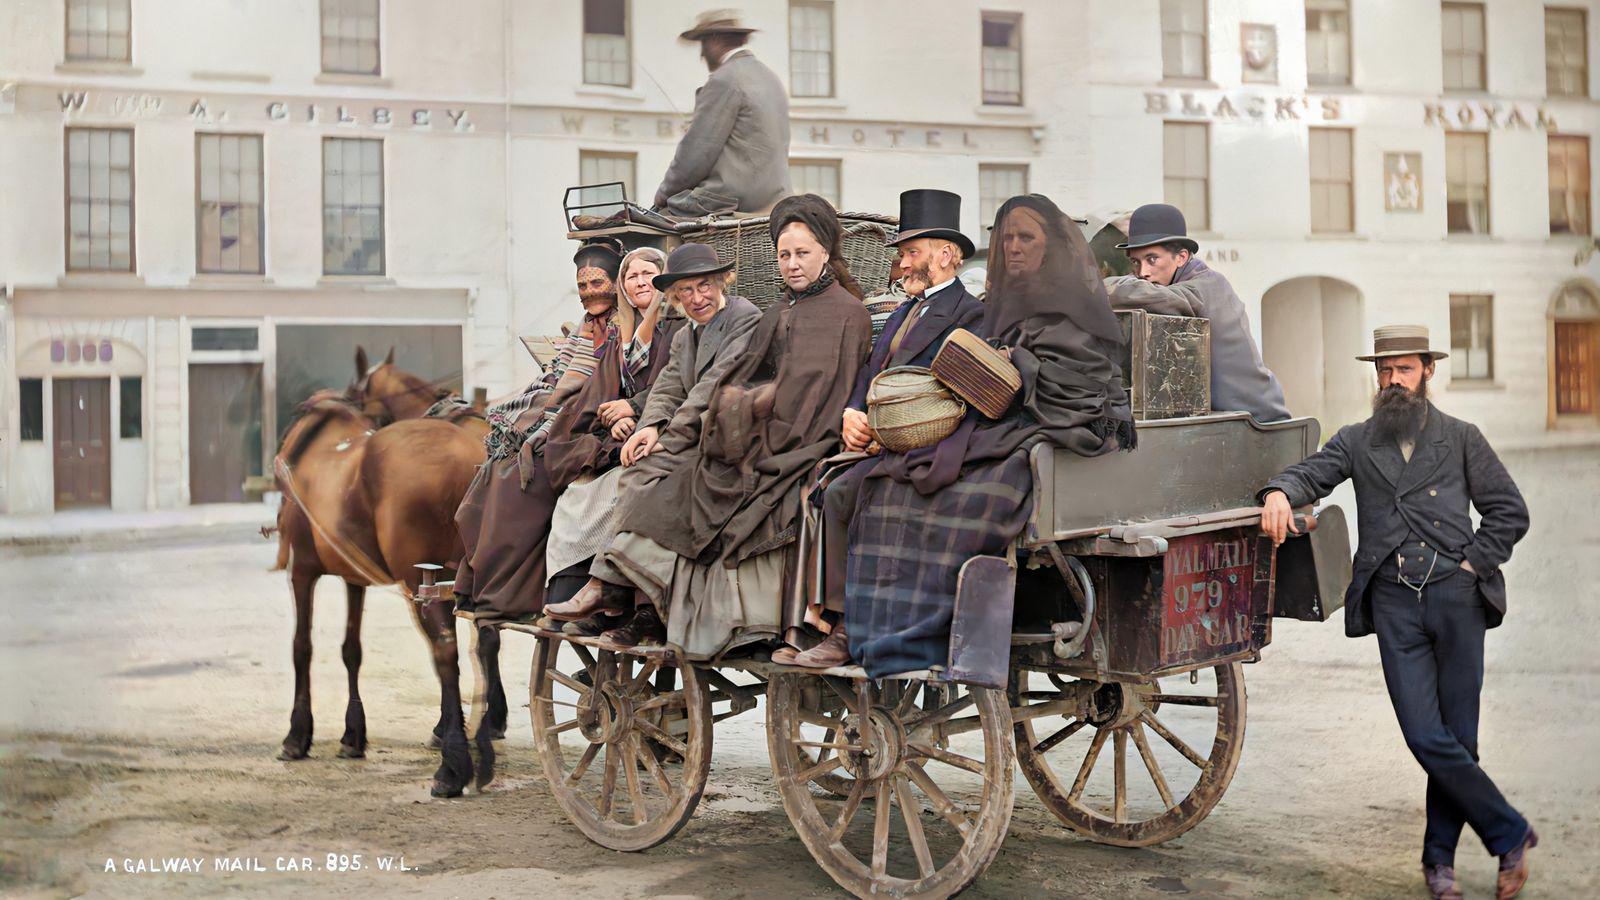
[354,743]
[455,766]
[297,744]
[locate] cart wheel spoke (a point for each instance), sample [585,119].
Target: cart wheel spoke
[584,761]
[1119,803]
[1061,734]
[654,768]
[942,804]
[674,700]
[608,785]
[924,720]
[565,727]
[858,790]
[645,671]
[1150,764]
[946,757]
[911,812]
[821,768]
[572,684]
[1088,764]
[1183,699]
[650,731]
[1177,742]
[630,768]
[880,830]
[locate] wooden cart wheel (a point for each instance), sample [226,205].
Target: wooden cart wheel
[594,723]
[954,793]
[1162,723]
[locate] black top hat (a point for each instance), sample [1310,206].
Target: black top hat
[1157,223]
[689,261]
[932,213]
[602,253]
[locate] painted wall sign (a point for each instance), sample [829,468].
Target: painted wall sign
[358,114]
[1220,106]
[1486,115]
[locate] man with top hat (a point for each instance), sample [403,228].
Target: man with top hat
[1170,279]
[932,249]
[735,155]
[1427,584]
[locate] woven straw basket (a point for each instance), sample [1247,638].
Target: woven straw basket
[746,244]
[908,408]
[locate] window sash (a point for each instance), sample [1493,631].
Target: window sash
[1471,337]
[1569,184]
[352,206]
[1328,41]
[1186,168]
[599,167]
[100,199]
[1566,52]
[811,49]
[817,176]
[1467,183]
[607,54]
[350,36]
[1002,59]
[1332,181]
[998,183]
[228,203]
[99,30]
[1464,45]
[1183,38]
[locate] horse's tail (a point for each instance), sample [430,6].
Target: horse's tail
[282,561]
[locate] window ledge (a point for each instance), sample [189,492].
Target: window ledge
[100,280]
[1462,238]
[1337,236]
[1332,89]
[1174,81]
[1004,110]
[1475,384]
[614,91]
[830,104]
[353,78]
[91,67]
[242,280]
[255,77]
[355,281]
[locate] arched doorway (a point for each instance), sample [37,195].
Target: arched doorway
[1311,332]
[1575,351]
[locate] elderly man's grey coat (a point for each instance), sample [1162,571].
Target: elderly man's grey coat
[735,156]
[699,355]
[1240,381]
[1451,466]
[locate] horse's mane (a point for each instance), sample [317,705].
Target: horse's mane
[312,415]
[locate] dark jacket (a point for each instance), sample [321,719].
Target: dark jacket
[1451,466]
[950,308]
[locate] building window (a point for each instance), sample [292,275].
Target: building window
[1566,52]
[1464,68]
[350,36]
[352,206]
[130,411]
[996,185]
[606,58]
[816,176]
[100,199]
[245,338]
[1471,337]
[228,211]
[31,391]
[1183,38]
[810,48]
[1466,176]
[1002,59]
[1186,161]
[1332,178]
[98,30]
[598,167]
[1328,41]
[1569,184]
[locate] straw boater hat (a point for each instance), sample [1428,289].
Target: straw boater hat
[717,21]
[1401,340]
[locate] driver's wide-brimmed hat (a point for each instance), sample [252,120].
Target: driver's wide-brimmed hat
[689,261]
[716,21]
[1401,340]
[1158,223]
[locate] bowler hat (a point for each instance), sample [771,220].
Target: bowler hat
[932,213]
[689,261]
[1401,340]
[1157,223]
[716,21]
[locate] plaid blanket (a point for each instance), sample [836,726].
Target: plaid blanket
[907,549]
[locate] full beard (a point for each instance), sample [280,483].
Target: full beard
[1398,412]
[918,278]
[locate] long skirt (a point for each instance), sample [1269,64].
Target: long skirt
[709,609]
[503,528]
[585,520]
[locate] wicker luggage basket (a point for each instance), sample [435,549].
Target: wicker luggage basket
[908,408]
[746,243]
[977,373]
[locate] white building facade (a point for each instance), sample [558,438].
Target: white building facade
[204,207]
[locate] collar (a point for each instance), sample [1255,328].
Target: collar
[928,294]
[731,54]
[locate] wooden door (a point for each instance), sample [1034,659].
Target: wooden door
[1575,366]
[224,430]
[81,417]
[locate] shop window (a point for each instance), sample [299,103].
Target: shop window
[130,412]
[606,56]
[31,399]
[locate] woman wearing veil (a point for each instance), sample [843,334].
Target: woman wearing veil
[969,494]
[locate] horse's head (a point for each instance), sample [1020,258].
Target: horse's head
[386,393]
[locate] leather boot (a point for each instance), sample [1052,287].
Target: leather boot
[596,625]
[644,628]
[1514,868]
[1441,881]
[833,651]
[593,597]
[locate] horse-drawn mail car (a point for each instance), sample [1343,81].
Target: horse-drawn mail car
[1104,653]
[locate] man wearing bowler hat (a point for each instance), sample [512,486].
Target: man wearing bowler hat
[1427,584]
[1169,279]
[932,249]
[735,155]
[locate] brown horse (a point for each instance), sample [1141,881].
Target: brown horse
[368,505]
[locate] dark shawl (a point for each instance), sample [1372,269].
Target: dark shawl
[773,416]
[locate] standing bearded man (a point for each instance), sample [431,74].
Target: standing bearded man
[1427,585]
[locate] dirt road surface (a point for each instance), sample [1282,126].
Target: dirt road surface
[146,691]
